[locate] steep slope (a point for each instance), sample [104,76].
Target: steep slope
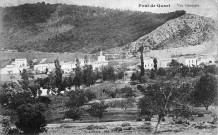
[70,28]
[187,30]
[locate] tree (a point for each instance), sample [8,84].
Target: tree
[127,92]
[205,90]
[98,74]
[134,77]
[127,103]
[174,68]
[153,74]
[77,62]
[77,98]
[86,60]
[108,73]
[67,82]
[97,110]
[155,65]
[13,96]
[210,69]
[58,75]
[90,95]
[120,74]
[30,118]
[161,72]
[174,63]
[88,75]
[74,113]
[184,71]
[161,97]
[25,78]
[31,64]
[144,79]
[78,78]
[195,71]
[141,49]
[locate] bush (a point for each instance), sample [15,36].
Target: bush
[91,127]
[200,115]
[30,119]
[117,129]
[44,99]
[134,77]
[120,74]
[144,79]
[125,124]
[161,72]
[147,119]
[138,119]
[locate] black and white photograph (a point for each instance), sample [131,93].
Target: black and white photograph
[108,67]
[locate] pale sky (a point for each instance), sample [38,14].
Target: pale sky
[206,8]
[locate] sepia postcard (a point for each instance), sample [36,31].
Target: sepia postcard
[108,67]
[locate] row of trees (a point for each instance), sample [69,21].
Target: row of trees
[81,76]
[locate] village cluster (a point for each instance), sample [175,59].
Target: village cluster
[17,66]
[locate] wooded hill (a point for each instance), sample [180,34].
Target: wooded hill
[70,28]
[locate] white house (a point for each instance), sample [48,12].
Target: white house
[10,69]
[196,60]
[148,63]
[41,68]
[206,59]
[189,61]
[68,67]
[16,67]
[21,62]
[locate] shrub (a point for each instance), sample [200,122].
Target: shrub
[120,74]
[125,124]
[144,79]
[117,129]
[138,119]
[161,72]
[134,77]
[200,115]
[147,119]
[44,99]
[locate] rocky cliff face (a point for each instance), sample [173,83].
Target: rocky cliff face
[187,30]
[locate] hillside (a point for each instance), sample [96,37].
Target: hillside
[187,30]
[70,28]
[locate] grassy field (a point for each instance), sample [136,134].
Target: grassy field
[121,116]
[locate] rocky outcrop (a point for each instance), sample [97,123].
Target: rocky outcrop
[183,31]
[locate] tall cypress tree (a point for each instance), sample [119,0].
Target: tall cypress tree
[58,75]
[155,65]
[141,49]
